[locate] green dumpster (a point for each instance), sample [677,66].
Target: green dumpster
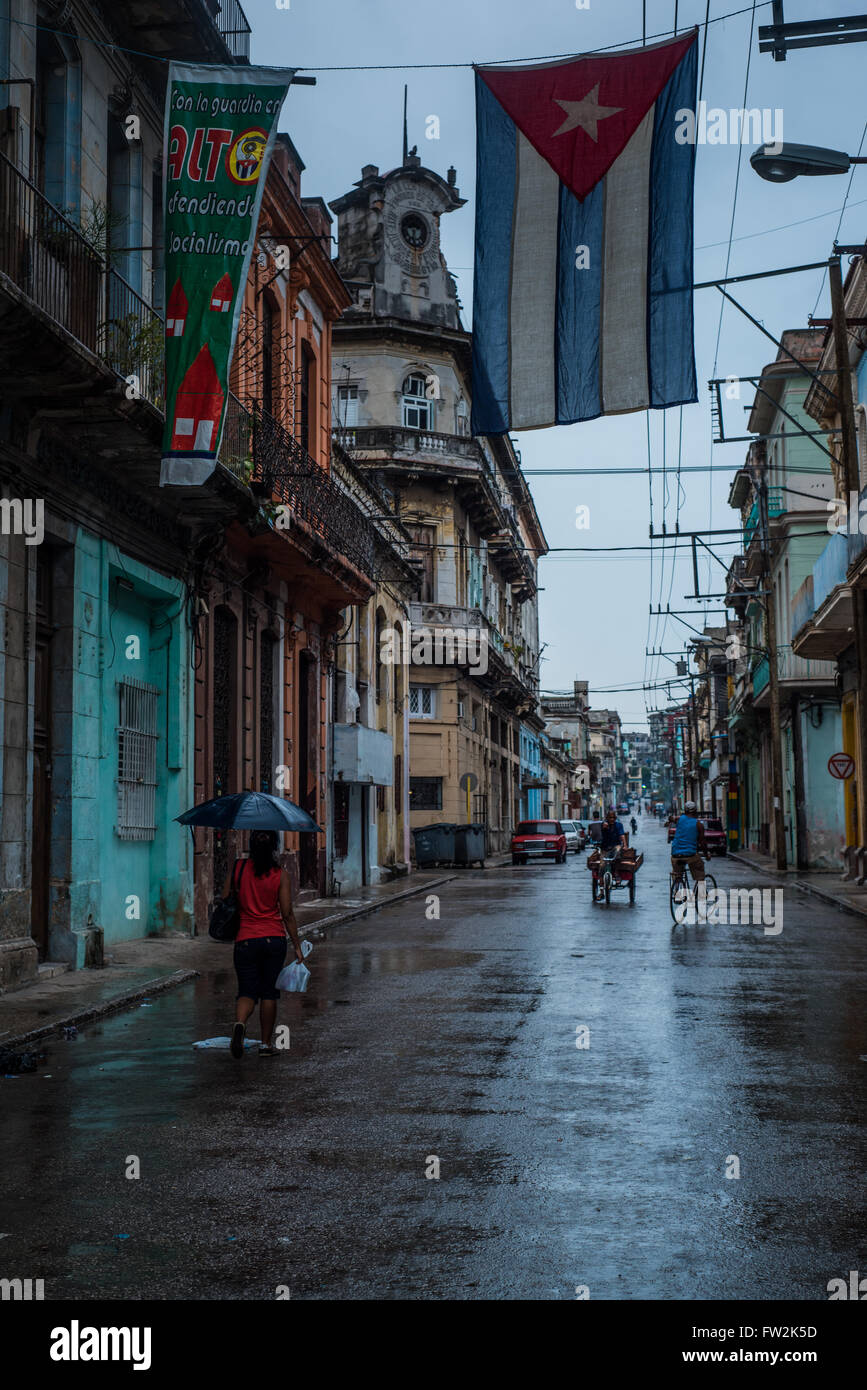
[470,844]
[434,844]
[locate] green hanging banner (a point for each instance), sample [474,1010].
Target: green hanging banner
[219,132]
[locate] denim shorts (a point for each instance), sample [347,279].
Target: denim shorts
[258,962]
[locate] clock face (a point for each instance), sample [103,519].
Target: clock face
[411,231]
[414,230]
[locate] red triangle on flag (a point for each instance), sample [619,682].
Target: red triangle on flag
[580,113]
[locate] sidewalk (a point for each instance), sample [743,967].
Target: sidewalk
[824,884]
[134,971]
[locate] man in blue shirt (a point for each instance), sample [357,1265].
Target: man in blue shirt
[613,834]
[688,844]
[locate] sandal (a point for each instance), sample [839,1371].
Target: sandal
[236,1046]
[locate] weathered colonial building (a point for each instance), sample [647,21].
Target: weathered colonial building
[369,838]
[401,398]
[273,580]
[97,660]
[161,645]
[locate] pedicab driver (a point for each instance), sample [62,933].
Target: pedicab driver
[613,834]
[689,844]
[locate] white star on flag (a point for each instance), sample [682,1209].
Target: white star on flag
[586,114]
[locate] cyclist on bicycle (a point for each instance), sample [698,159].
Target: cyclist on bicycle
[689,844]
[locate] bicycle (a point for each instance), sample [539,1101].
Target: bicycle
[682,890]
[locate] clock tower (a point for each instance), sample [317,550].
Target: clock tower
[389,240]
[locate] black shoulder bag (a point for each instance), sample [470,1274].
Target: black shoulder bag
[225,918]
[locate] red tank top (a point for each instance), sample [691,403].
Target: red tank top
[258,899]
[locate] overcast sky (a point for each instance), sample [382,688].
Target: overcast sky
[593,612]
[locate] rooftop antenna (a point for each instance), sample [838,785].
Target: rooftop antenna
[405,134]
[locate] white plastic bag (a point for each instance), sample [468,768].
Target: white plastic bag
[294,978]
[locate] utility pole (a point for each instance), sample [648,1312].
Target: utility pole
[849,460]
[773,673]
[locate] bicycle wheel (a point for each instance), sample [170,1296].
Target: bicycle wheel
[678,896]
[607,889]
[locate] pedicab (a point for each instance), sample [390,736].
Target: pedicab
[611,869]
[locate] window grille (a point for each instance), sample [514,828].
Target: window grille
[136,760]
[421,703]
[426,793]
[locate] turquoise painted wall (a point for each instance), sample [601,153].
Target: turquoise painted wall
[116,599]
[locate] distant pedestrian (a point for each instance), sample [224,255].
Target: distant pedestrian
[265,901]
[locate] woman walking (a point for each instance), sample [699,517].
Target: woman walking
[265,901]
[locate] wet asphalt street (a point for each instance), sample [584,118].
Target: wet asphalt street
[603,1166]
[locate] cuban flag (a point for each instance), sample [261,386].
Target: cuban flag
[582,304]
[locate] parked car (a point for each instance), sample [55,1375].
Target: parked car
[574,835]
[538,839]
[714,834]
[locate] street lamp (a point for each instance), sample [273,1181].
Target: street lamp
[779,163]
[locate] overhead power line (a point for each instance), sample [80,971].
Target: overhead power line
[392,67]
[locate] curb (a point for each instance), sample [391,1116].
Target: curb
[843,903]
[180,977]
[109,1006]
[366,908]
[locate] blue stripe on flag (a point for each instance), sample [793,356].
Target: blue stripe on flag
[579,306]
[496,140]
[670,350]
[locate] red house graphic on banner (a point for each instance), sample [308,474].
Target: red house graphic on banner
[176,312]
[198,406]
[221,295]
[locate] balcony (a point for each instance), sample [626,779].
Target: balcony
[46,264]
[461,459]
[498,664]
[193,29]
[776,507]
[822,608]
[795,673]
[405,444]
[317,513]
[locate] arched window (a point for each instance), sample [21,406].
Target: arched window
[381,666]
[417,409]
[308,399]
[269,317]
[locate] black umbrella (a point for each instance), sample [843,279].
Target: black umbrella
[249,811]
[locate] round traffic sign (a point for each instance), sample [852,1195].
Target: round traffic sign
[841,765]
[469,782]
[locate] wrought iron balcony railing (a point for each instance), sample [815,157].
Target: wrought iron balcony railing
[46,256]
[233,27]
[260,451]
